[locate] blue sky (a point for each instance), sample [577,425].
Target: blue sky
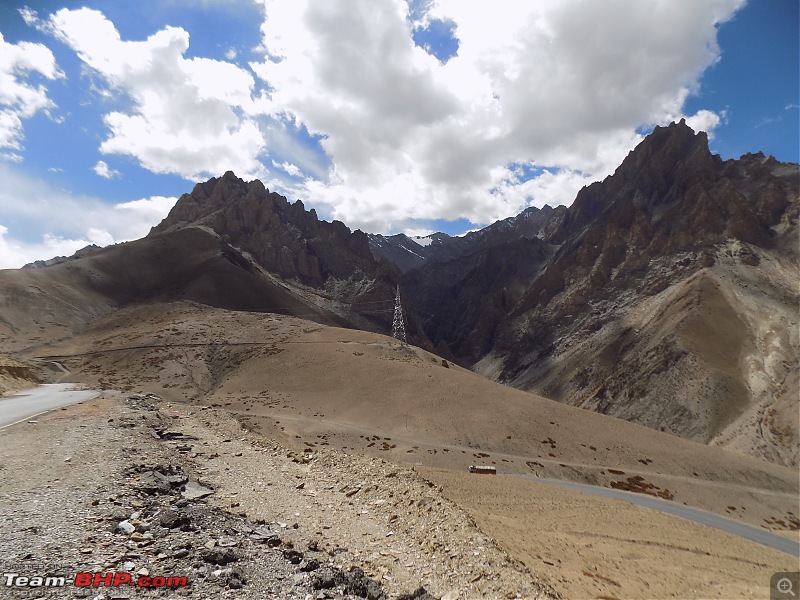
[388,115]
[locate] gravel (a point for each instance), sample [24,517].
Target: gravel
[155,489]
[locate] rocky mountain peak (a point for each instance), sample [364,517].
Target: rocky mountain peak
[658,171]
[666,149]
[282,237]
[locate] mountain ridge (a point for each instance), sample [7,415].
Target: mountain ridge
[676,229]
[665,295]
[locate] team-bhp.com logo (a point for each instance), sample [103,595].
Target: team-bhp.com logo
[91,580]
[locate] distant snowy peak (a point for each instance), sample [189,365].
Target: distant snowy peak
[431,238]
[423,240]
[406,252]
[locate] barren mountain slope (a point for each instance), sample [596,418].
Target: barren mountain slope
[38,306]
[670,299]
[359,390]
[665,295]
[712,358]
[321,259]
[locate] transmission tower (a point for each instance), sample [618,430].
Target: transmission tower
[398,326]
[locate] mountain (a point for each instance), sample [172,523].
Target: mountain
[405,253]
[665,295]
[241,311]
[283,238]
[228,244]
[462,287]
[40,264]
[192,264]
[324,263]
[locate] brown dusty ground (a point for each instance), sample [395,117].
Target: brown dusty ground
[317,388]
[347,389]
[591,547]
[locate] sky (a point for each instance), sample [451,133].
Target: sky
[390,115]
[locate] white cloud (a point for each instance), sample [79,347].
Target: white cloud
[401,138]
[154,209]
[19,98]
[706,120]
[102,169]
[230,53]
[11,157]
[562,84]
[29,16]
[14,254]
[289,168]
[190,116]
[51,222]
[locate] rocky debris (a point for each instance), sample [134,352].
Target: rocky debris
[419,594]
[172,435]
[160,479]
[355,512]
[221,556]
[125,527]
[156,530]
[172,519]
[122,522]
[194,490]
[352,582]
[310,565]
[293,556]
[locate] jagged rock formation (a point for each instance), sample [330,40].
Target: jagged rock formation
[323,262]
[404,253]
[665,295]
[671,299]
[283,238]
[467,285]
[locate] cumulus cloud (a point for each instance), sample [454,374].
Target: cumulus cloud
[563,85]
[188,116]
[20,98]
[103,170]
[344,110]
[705,120]
[52,222]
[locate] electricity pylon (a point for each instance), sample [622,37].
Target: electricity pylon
[398,326]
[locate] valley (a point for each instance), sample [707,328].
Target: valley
[644,339]
[320,389]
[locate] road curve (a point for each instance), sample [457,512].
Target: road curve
[28,403]
[748,532]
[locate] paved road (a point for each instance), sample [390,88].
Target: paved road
[754,534]
[28,403]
